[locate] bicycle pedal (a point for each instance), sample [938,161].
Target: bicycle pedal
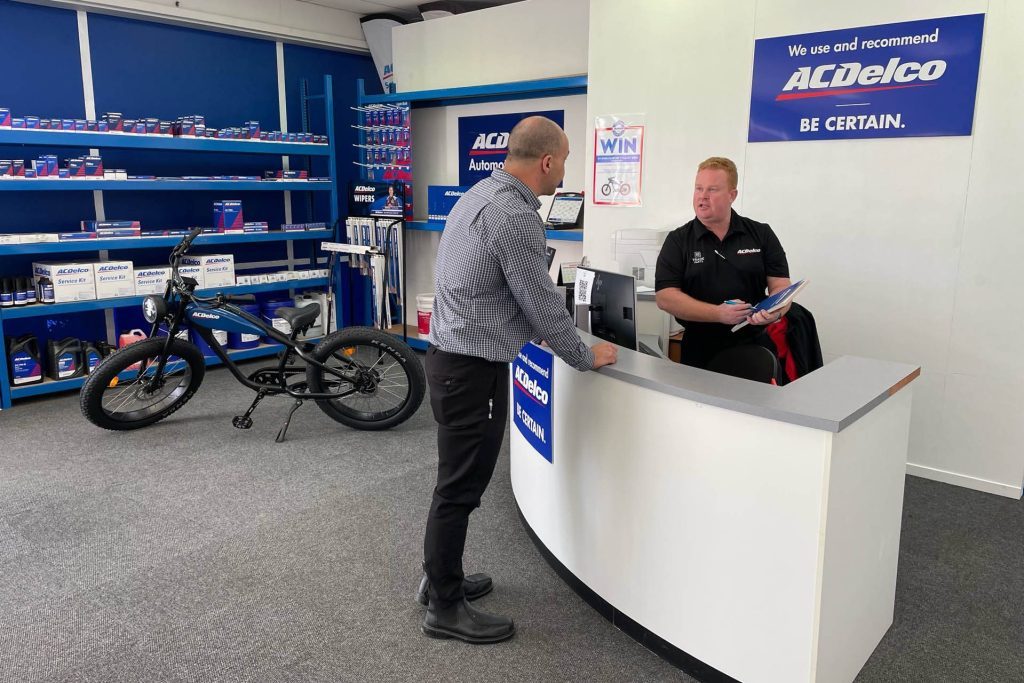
[242,422]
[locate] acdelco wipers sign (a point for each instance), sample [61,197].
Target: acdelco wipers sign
[916,78]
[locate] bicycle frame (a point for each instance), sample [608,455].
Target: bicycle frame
[203,313]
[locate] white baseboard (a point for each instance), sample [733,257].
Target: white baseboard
[966,481]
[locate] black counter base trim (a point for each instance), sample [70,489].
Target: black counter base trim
[659,646]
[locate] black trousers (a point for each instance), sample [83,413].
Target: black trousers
[469,397]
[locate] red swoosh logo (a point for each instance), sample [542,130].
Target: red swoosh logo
[843,91]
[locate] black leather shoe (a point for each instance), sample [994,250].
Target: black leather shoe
[473,586]
[466,623]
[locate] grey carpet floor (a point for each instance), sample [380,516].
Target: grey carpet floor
[192,551]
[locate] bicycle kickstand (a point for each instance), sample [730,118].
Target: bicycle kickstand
[244,421]
[288,421]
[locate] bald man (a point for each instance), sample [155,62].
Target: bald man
[492,295]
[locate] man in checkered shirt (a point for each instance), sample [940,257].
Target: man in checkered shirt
[492,295]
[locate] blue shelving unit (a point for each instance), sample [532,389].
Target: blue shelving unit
[150,242]
[78,185]
[495,92]
[86,140]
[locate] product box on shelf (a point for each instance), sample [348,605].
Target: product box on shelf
[227,213]
[76,167]
[441,199]
[194,272]
[93,167]
[5,117]
[114,122]
[17,122]
[71,281]
[114,279]
[218,270]
[18,168]
[38,237]
[80,235]
[113,228]
[32,122]
[151,280]
[5,168]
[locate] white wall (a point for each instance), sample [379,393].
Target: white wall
[517,42]
[910,244]
[482,47]
[291,21]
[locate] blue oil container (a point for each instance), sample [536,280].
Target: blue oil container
[65,358]
[23,361]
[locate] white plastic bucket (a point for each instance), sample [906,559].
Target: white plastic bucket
[424,307]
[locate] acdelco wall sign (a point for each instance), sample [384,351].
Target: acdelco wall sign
[915,78]
[483,142]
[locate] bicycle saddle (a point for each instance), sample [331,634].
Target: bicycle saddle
[299,318]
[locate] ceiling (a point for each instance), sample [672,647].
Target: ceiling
[402,7]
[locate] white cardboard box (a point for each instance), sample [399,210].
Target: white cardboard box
[114,279]
[71,281]
[218,269]
[152,280]
[194,272]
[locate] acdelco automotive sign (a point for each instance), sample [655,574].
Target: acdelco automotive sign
[916,78]
[483,142]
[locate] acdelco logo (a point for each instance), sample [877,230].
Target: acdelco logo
[836,79]
[218,260]
[453,193]
[489,143]
[111,268]
[206,316]
[72,271]
[149,273]
[530,386]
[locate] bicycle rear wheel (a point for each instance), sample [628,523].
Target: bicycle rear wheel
[384,381]
[122,392]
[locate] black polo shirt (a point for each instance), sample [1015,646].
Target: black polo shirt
[694,260]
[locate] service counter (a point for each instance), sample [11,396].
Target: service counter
[738,529]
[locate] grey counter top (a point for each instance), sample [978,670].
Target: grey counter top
[831,398]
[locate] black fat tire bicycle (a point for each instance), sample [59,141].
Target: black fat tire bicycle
[360,376]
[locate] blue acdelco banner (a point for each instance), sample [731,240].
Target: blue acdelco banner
[916,78]
[483,142]
[531,397]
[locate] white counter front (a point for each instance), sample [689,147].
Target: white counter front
[727,531]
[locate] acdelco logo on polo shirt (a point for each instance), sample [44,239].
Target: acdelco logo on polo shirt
[837,79]
[740,252]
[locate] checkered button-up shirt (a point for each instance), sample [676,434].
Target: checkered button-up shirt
[491,284]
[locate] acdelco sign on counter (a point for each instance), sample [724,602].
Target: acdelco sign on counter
[916,78]
[531,397]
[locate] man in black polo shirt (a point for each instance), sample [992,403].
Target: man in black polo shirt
[714,268]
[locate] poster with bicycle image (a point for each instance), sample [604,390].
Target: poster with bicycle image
[618,159]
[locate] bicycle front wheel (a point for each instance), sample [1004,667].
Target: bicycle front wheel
[123,392]
[382,381]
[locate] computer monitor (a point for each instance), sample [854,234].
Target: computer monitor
[566,211]
[612,308]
